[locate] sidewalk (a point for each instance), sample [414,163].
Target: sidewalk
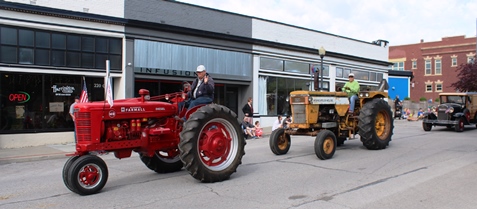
[35,153]
[25,154]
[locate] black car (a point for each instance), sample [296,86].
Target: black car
[455,111]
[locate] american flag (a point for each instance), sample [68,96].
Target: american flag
[84,93]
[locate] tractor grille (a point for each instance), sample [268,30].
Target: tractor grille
[83,126]
[299,113]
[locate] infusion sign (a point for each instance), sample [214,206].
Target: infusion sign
[19,97]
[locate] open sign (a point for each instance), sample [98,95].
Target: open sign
[20,97]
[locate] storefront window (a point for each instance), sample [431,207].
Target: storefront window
[41,102]
[278,91]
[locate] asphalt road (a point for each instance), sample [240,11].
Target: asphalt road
[435,169]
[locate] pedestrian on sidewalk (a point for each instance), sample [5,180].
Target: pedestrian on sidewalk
[72,109]
[247,110]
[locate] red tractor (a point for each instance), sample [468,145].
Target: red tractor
[209,145]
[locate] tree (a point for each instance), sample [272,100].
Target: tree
[466,77]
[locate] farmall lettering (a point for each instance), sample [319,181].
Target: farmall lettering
[133,109]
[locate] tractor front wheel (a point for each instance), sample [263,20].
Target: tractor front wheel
[212,143]
[166,161]
[375,124]
[87,175]
[66,168]
[325,144]
[279,142]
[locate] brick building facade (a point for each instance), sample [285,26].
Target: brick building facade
[433,64]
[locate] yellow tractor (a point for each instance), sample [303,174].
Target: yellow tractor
[325,116]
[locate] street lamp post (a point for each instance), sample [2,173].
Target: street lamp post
[322,53]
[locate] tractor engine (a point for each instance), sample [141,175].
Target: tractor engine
[327,113]
[123,130]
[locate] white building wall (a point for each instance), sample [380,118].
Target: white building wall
[286,34]
[113,8]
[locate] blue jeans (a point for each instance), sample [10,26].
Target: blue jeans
[352,101]
[199,101]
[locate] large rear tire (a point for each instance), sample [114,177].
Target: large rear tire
[279,141]
[212,143]
[325,144]
[163,161]
[87,175]
[375,124]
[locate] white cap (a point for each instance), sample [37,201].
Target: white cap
[351,74]
[200,68]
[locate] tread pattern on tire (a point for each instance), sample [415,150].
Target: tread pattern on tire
[273,142]
[189,143]
[367,120]
[160,166]
[78,164]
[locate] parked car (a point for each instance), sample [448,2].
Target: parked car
[454,111]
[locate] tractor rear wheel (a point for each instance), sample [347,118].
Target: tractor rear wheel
[325,144]
[212,143]
[163,161]
[375,124]
[87,175]
[279,142]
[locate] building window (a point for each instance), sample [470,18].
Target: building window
[428,87]
[438,66]
[470,59]
[339,72]
[271,64]
[297,67]
[398,66]
[439,87]
[454,61]
[316,67]
[41,102]
[49,48]
[278,90]
[427,67]
[414,64]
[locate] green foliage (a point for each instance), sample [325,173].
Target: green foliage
[437,100]
[423,99]
[407,98]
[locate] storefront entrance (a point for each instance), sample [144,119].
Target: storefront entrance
[225,94]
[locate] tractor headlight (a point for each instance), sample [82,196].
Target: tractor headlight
[450,110]
[363,94]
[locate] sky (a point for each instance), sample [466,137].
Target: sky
[400,22]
